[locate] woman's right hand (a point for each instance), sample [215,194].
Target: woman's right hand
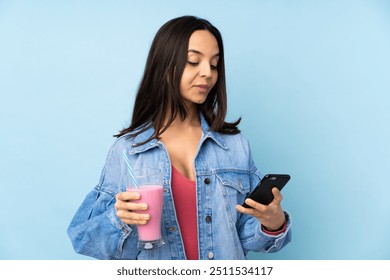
[125,208]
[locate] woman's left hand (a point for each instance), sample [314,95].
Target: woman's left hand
[271,216]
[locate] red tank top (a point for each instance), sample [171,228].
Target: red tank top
[184,196]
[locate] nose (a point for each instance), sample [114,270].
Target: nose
[205,70]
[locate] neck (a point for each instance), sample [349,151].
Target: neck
[192,119]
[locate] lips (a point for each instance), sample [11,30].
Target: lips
[202,88]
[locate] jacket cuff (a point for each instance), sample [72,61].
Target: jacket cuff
[125,228]
[286,226]
[277,232]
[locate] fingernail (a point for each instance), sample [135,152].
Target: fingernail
[144,206]
[146,217]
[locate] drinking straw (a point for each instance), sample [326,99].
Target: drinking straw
[130,169]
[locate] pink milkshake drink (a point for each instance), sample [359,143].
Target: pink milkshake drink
[150,233]
[148,182]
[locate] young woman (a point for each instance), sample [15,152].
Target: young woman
[178,127]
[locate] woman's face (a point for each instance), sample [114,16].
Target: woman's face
[200,73]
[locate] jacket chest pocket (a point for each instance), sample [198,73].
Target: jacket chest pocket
[234,187]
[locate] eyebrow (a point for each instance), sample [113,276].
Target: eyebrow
[198,52]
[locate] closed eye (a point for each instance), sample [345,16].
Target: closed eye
[212,67]
[192,63]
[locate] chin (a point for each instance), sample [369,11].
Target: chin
[200,102]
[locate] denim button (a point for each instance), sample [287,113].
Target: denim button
[125,231]
[207,181]
[208,219]
[210,255]
[173,228]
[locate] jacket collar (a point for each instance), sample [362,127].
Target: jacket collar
[207,133]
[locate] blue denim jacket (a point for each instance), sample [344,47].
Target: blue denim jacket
[225,175]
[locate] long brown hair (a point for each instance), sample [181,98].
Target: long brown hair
[159,90]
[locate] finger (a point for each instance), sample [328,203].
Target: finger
[133,222]
[255,205]
[130,206]
[132,217]
[137,206]
[125,196]
[250,211]
[277,195]
[244,210]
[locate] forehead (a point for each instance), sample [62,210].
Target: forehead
[204,42]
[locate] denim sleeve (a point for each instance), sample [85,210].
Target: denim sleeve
[95,230]
[251,235]
[254,239]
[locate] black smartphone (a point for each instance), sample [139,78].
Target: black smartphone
[263,191]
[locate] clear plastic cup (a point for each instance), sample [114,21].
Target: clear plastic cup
[150,187]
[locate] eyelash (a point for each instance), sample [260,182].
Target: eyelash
[213,67]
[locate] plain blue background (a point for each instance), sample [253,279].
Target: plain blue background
[310,79]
